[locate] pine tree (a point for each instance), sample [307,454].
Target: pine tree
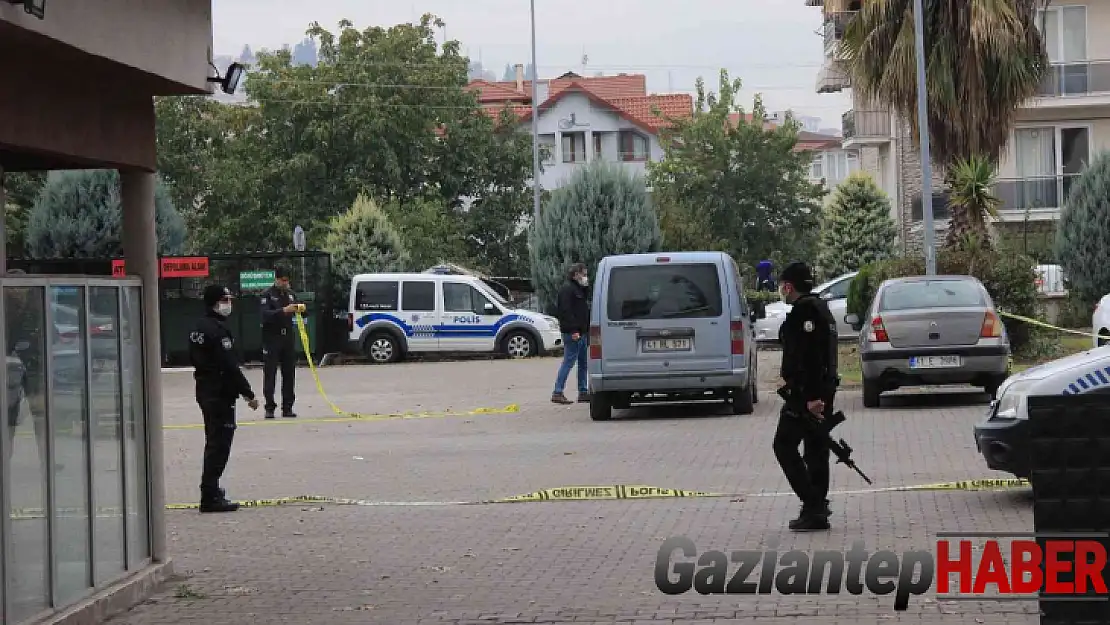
[856,227]
[78,215]
[602,210]
[362,240]
[1083,235]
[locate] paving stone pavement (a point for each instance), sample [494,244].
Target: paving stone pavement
[550,562]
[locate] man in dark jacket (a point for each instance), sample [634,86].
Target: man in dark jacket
[573,313]
[219,383]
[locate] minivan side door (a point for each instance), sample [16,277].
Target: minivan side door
[373,299]
[469,321]
[419,311]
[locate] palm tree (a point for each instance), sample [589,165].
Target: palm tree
[985,58]
[971,181]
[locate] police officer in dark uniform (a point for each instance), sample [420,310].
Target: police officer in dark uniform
[219,383]
[809,359]
[279,336]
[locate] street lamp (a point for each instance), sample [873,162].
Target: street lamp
[535,123]
[923,126]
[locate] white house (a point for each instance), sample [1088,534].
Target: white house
[582,119]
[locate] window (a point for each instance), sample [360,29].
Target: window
[1065,35]
[634,146]
[817,167]
[1047,162]
[376,296]
[458,297]
[664,292]
[837,290]
[932,294]
[418,297]
[574,147]
[597,145]
[547,149]
[941,208]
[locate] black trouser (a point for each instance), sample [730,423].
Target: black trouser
[279,351]
[219,431]
[807,474]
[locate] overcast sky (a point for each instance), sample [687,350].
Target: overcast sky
[773,45]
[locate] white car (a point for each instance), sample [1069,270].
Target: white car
[1100,322]
[835,292]
[1003,438]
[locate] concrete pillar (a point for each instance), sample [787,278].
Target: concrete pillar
[140,252]
[589,146]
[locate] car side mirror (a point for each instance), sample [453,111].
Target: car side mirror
[488,309]
[853,320]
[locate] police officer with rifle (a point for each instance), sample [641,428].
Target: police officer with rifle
[809,381]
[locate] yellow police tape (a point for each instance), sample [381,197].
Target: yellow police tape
[342,416]
[1046,325]
[563,493]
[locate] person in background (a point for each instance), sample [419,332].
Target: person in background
[764,281]
[219,383]
[279,336]
[573,312]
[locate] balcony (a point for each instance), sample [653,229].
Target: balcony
[1034,198]
[1084,78]
[835,24]
[864,127]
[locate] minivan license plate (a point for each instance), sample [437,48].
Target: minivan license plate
[934,362]
[667,345]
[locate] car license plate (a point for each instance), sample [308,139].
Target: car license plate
[934,362]
[667,345]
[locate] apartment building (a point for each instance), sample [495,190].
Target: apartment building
[1056,134]
[582,119]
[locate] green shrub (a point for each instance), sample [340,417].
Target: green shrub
[601,211]
[1083,236]
[362,240]
[761,297]
[856,227]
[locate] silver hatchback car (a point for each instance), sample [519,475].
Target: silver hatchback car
[931,330]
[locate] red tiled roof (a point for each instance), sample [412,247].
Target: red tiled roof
[620,86]
[641,108]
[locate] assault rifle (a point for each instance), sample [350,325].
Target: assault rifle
[825,427]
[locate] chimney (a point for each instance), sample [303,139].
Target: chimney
[520,77]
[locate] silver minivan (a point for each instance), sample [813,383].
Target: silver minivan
[670,327]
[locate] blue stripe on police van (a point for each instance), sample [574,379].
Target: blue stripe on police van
[1074,391]
[1101,377]
[442,330]
[1082,383]
[1092,380]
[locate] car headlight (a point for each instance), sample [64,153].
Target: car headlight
[1013,404]
[552,323]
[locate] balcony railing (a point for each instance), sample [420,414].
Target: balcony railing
[835,24]
[1035,193]
[1079,78]
[857,124]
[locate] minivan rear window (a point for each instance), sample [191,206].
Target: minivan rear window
[664,292]
[931,294]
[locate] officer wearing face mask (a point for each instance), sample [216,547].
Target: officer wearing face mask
[809,371]
[219,383]
[279,335]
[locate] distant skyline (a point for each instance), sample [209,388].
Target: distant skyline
[774,46]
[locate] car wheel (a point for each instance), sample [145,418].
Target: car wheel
[601,407]
[871,393]
[742,398]
[1103,337]
[382,348]
[519,345]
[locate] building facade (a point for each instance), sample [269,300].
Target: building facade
[1056,134]
[81,486]
[583,119]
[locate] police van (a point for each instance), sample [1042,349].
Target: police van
[1003,438]
[394,314]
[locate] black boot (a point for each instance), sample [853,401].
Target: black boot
[289,414]
[217,502]
[809,522]
[269,414]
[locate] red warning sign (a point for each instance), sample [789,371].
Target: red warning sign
[185,267]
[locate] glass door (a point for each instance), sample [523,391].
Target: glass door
[1035,186]
[1075,153]
[1065,33]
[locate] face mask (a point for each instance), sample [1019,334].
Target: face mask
[223,309]
[584,281]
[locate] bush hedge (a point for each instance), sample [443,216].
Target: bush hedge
[1008,277]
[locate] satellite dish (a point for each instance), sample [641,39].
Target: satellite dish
[298,239]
